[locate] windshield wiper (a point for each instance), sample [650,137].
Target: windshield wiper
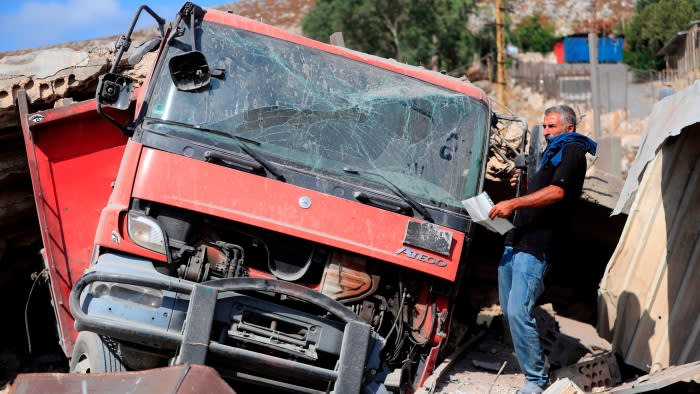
[391,186]
[242,143]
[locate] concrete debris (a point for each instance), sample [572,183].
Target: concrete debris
[685,378]
[488,314]
[563,386]
[601,187]
[62,102]
[592,373]
[42,64]
[47,75]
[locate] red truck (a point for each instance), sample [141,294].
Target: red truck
[286,211]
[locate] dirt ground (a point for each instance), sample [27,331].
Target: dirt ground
[465,377]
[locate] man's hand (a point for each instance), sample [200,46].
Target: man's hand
[503,209]
[543,197]
[514,180]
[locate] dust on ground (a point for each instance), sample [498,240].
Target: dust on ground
[491,352]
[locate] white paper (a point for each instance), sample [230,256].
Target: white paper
[479,207]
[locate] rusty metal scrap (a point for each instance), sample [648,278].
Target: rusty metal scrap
[181,379]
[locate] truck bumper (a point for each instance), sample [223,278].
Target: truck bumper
[125,298]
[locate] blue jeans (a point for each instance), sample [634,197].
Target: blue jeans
[520,283]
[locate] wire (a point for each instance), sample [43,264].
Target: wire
[494,101]
[398,315]
[26,309]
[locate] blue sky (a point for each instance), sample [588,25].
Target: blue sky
[37,23]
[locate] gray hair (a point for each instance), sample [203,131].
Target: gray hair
[567,114]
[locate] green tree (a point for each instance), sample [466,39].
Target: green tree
[642,4]
[429,33]
[535,34]
[486,37]
[652,27]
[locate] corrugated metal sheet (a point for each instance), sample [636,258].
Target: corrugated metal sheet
[667,118]
[649,298]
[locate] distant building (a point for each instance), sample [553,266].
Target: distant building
[682,54]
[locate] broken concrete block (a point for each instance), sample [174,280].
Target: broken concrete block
[43,63]
[48,74]
[563,386]
[486,315]
[62,102]
[596,372]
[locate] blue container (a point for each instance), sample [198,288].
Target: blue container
[609,49]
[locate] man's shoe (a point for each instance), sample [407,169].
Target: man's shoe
[530,388]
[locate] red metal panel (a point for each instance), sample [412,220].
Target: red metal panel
[559,52]
[433,77]
[180,379]
[113,216]
[429,365]
[73,158]
[220,191]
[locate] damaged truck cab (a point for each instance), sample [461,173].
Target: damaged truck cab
[285,211]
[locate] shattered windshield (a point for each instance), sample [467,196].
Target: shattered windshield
[321,112]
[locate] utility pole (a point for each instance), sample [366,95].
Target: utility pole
[500,54]
[593,54]
[595,87]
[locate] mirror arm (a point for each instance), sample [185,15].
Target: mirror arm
[124,41]
[122,45]
[190,13]
[127,131]
[194,42]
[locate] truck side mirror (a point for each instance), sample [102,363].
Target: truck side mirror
[114,90]
[190,71]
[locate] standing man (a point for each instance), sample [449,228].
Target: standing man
[544,212]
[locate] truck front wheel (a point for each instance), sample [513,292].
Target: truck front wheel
[93,354]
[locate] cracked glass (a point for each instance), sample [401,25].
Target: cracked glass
[306,108]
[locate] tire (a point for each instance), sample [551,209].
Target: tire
[93,354]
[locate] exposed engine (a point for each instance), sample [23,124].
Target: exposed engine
[404,310]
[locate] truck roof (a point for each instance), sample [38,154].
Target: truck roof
[435,78]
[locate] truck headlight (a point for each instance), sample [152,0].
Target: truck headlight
[146,232]
[134,294]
